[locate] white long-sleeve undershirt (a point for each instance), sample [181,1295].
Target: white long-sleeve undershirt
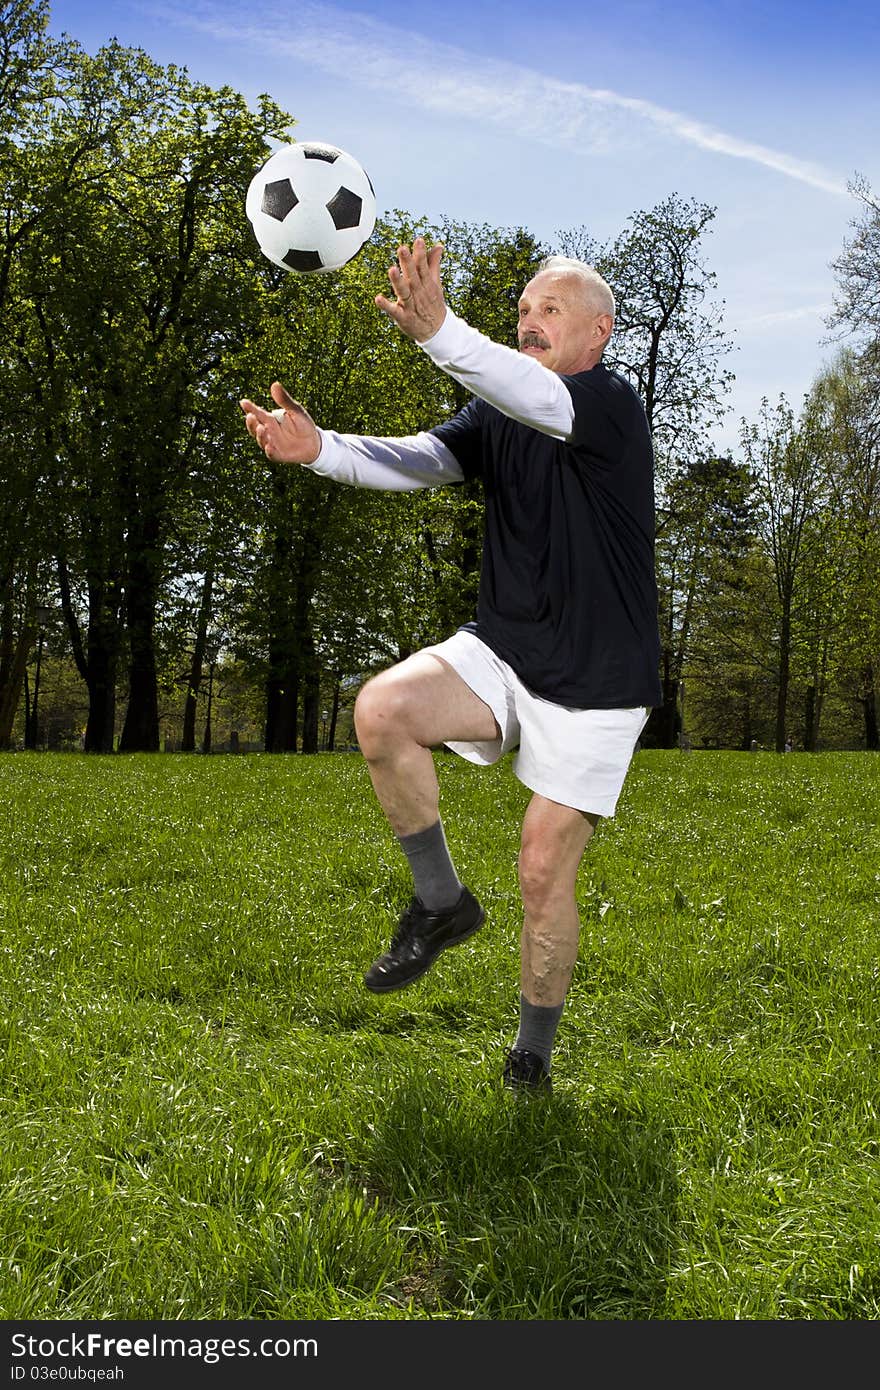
[393,465]
[517,385]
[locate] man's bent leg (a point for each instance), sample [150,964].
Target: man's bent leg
[400,716]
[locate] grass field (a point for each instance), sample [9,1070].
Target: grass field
[205,1115]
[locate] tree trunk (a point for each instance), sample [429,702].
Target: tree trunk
[13,671]
[784,672]
[669,719]
[188,741]
[747,736]
[665,723]
[311,701]
[98,663]
[869,704]
[815,699]
[810,720]
[101,685]
[207,736]
[282,700]
[188,736]
[309,558]
[140,732]
[334,716]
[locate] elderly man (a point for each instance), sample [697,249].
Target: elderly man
[562,661]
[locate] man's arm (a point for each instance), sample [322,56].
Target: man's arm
[516,385]
[392,465]
[290,435]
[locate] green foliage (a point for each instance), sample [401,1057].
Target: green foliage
[668,338]
[846,408]
[205,1115]
[128,271]
[703,535]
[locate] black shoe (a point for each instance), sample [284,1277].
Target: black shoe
[420,937]
[526,1071]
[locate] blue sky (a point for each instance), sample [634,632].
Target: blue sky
[578,115]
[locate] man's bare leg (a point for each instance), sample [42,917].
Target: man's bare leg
[554,838]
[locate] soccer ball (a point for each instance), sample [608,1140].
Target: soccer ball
[311,206]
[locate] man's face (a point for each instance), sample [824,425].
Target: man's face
[559,325]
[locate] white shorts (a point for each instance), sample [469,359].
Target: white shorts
[578,757]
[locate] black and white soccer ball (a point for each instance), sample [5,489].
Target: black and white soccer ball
[312,207]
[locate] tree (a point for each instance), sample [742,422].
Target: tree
[356,374]
[857,302]
[30,64]
[847,407]
[139,286]
[851,394]
[784,456]
[699,553]
[731,666]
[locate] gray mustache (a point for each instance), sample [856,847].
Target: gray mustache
[533,340]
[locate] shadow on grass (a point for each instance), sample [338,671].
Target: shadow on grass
[526,1207]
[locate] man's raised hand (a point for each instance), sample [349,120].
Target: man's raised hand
[286,435]
[419,307]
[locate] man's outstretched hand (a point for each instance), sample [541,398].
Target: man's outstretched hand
[286,435]
[419,308]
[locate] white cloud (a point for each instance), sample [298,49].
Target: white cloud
[443,78]
[784,316]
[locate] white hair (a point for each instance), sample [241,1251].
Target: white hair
[598,290]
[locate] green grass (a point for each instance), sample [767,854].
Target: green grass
[205,1115]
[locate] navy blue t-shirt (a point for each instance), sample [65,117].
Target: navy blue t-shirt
[568,593]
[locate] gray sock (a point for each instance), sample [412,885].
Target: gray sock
[537,1028]
[434,877]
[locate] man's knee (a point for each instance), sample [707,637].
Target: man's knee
[380,713]
[540,873]
[548,863]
